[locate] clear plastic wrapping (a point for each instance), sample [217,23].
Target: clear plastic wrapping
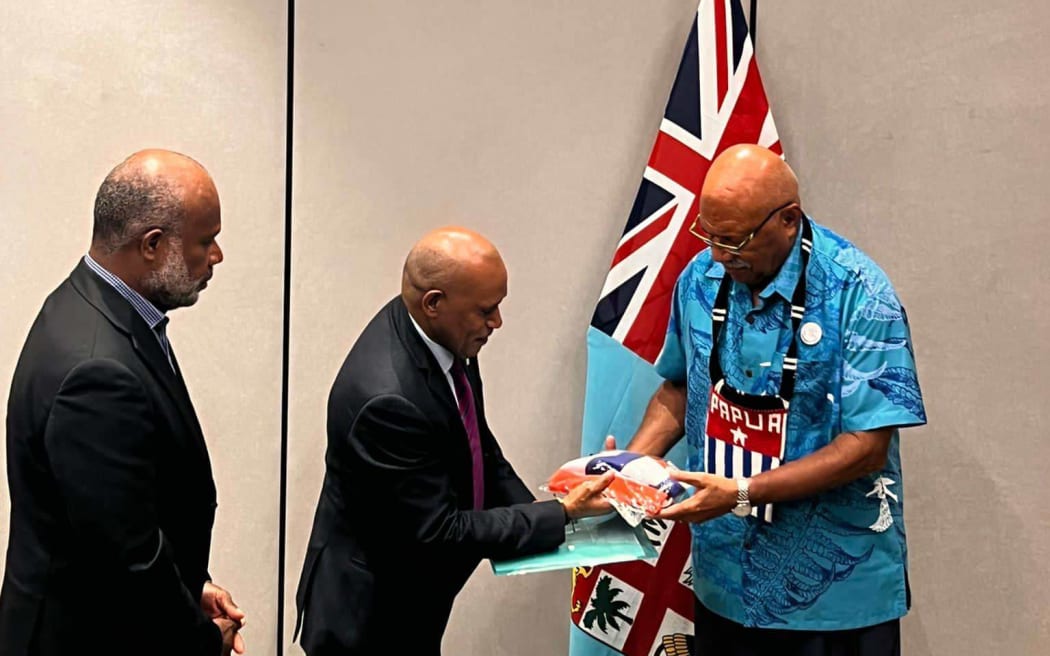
[640,488]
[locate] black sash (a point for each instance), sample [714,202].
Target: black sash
[787,376]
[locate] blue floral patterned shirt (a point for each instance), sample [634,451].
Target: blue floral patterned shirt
[838,560]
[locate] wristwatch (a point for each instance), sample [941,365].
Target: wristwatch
[743,501]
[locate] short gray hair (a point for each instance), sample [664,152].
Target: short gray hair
[130,203]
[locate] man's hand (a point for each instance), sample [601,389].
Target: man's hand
[714,497]
[217,604]
[230,637]
[586,500]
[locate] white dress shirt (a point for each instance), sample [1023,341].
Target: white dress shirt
[443,356]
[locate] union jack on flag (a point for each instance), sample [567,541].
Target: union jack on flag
[646,608]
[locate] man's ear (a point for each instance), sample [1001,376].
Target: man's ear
[431,300]
[149,245]
[792,215]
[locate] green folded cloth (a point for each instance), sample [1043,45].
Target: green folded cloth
[597,541]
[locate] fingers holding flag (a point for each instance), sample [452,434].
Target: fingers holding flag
[713,497]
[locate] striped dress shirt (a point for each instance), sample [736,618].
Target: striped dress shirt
[154,318]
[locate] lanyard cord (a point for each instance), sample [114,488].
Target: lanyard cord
[798,308]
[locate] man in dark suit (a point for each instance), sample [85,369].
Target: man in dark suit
[416,490]
[112,497]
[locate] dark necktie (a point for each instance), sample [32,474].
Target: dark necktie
[468,413]
[162,336]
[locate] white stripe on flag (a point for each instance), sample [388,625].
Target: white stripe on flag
[769,134]
[756,462]
[682,136]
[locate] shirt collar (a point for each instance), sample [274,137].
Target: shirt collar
[785,280]
[443,356]
[149,312]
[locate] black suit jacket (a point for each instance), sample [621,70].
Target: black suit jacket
[395,536]
[112,498]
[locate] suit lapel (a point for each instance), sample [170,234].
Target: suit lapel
[144,341]
[182,398]
[424,360]
[437,385]
[146,345]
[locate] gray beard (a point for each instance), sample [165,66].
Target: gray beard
[171,286]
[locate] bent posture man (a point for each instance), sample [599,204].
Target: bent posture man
[416,490]
[789,369]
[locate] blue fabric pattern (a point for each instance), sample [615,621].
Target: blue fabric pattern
[839,560]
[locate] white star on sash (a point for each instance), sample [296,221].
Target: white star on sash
[739,436]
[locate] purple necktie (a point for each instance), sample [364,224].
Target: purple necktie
[469,416]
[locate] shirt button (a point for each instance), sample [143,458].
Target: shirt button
[751,318]
[747,372]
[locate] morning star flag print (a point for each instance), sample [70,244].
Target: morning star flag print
[742,441]
[646,608]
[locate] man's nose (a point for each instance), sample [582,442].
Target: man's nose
[721,255]
[496,320]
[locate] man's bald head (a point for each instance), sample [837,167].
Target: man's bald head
[750,197]
[150,189]
[746,178]
[452,284]
[446,259]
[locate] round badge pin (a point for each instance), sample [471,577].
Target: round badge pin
[811,333]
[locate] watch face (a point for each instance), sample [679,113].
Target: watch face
[742,510]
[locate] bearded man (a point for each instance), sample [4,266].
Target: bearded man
[112,497]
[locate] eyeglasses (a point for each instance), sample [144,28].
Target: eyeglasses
[695,230]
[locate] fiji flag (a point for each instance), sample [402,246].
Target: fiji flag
[646,608]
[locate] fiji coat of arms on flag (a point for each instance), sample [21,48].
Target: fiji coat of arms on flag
[645,608]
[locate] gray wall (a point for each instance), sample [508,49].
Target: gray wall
[918,130]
